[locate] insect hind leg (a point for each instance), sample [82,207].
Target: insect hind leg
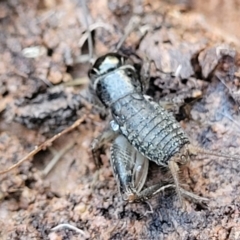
[174,171]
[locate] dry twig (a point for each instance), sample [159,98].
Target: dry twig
[45,144]
[69,226]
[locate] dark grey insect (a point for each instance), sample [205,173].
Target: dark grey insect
[142,130]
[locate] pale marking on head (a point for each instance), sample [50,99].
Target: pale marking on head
[111,60]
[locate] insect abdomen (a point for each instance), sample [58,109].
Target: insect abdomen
[149,128]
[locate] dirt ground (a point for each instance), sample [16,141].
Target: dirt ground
[43,81]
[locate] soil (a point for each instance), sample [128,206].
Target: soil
[43,82]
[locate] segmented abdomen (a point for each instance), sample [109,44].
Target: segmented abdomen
[149,128]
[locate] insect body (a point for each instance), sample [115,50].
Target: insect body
[139,123]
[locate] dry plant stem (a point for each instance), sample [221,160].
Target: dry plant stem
[77,82]
[45,144]
[133,23]
[90,41]
[53,150]
[56,158]
[67,225]
[92,27]
[231,119]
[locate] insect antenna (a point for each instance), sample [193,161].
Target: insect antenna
[195,150]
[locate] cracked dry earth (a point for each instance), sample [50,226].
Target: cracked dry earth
[42,49]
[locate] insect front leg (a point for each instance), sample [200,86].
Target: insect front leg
[105,137]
